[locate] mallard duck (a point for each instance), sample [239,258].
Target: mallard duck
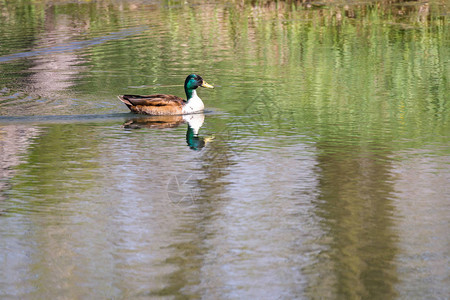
[161,104]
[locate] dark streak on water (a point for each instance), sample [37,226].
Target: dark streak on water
[73,46]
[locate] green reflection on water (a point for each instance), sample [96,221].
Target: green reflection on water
[317,108]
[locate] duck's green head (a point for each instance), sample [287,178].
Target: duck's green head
[192,82]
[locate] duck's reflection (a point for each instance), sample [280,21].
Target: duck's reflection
[194,121]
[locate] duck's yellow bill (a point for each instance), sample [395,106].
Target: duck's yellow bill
[207,85]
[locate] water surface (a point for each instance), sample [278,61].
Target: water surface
[320,169]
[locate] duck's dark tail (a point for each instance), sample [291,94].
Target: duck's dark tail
[125,100]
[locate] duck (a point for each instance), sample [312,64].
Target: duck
[161,104]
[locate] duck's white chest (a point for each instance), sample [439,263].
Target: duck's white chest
[194,104]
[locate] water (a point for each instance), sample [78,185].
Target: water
[320,169]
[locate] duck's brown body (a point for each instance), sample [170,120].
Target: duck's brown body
[159,104]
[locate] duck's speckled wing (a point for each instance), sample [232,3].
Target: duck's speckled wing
[159,104]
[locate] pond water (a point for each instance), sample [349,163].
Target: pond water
[320,169]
